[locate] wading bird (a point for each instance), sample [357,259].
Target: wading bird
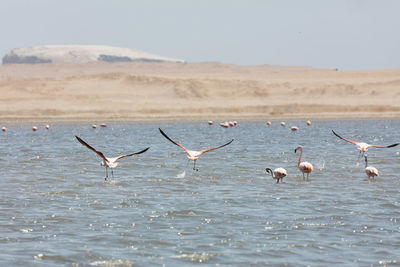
[278,173]
[109,162]
[363,147]
[304,167]
[191,154]
[370,171]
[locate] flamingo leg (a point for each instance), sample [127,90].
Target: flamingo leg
[112,172]
[304,176]
[194,165]
[360,156]
[106,174]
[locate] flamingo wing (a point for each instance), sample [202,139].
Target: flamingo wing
[166,136]
[91,148]
[132,154]
[209,149]
[383,146]
[353,142]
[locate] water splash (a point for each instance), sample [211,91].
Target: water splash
[181,175]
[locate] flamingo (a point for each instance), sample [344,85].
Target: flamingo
[370,171]
[304,167]
[294,128]
[363,147]
[109,162]
[308,123]
[34,128]
[268,123]
[278,173]
[192,154]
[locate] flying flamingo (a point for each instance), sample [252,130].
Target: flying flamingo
[109,162]
[304,167]
[370,171]
[363,147]
[191,154]
[278,173]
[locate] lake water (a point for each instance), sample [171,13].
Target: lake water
[56,208]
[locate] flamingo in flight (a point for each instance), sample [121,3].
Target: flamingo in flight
[370,171]
[278,173]
[363,147]
[304,167]
[192,154]
[109,162]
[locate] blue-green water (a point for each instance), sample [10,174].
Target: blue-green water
[56,208]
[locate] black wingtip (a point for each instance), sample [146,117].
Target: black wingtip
[336,134]
[144,150]
[392,145]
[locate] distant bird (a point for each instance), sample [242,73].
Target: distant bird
[47,126]
[94,126]
[370,171]
[4,129]
[304,167]
[34,128]
[363,147]
[224,124]
[294,128]
[283,124]
[210,123]
[308,123]
[278,173]
[192,154]
[268,123]
[103,125]
[109,162]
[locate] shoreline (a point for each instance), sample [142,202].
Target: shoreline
[201,118]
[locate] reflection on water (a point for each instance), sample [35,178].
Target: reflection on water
[56,208]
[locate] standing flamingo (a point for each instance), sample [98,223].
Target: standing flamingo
[191,154]
[304,167]
[363,147]
[370,171]
[278,173]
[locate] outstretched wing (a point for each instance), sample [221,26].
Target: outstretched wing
[353,142]
[384,146]
[133,154]
[209,149]
[166,136]
[91,148]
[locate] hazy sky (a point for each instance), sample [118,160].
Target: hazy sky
[348,34]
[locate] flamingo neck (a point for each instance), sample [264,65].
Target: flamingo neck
[272,173]
[301,154]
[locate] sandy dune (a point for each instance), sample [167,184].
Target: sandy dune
[174,91]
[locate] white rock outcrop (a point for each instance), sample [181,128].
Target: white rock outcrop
[79,54]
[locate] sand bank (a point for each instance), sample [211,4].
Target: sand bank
[192,91]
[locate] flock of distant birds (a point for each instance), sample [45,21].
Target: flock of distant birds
[278,174]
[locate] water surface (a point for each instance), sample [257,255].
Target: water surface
[56,208]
